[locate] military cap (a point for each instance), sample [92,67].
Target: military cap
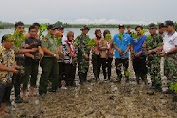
[85,27]
[152,26]
[121,25]
[168,23]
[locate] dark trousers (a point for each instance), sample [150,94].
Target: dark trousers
[32,70]
[5,92]
[60,64]
[139,66]
[69,75]
[96,61]
[109,66]
[50,68]
[83,76]
[118,64]
[103,65]
[18,78]
[73,72]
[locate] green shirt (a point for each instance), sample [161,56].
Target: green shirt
[81,41]
[155,41]
[50,43]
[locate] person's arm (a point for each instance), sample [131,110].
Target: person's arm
[40,51]
[45,50]
[127,49]
[115,46]
[4,68]
[23,51]
[29,55]
[173,50]
[26,35]
[59,50]
[140,52]
[112,47]
[45,45]
[157,49]
[31,45]
[131,48]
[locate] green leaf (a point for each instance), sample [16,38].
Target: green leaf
[120,36]
[134,35]
[127,73]
[18,38]
[90,43]
[59,40]
[43,27]
[142,31]
[148,37]
[173,87]
[108,37]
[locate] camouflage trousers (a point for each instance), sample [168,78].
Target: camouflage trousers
[167,71]
[153,75]
[170,66]
[83,66]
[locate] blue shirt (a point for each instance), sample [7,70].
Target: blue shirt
[137,44]
[122,44]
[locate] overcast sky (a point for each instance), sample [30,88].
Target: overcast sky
[88,11]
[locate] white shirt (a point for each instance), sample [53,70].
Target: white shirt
[170,41]
[64,40]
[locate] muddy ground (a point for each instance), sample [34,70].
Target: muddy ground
[103,99]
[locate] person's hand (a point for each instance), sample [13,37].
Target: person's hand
[123,54]
[162,54]
[157,51]
[93,49]
[41,54]
[120,51]
[14,71]
[57,56]
[32,56]
[150,51]
[34,49]
[35,43]
[71,54]
[132,55]
[137,54]
[75,55]
[86,56]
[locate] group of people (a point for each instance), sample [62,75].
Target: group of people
[21,55]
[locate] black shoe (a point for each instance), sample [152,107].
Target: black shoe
[25,101]
[150,92]
[18,100]
[9,103]
[53,91]
[168,92]
[42,95]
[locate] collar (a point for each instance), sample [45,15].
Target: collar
[123,34]
[170,34]
[49,35]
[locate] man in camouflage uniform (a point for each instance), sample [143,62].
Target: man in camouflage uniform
[83,54]
[49,62]
[153,60]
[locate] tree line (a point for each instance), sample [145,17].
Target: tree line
[6,25]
